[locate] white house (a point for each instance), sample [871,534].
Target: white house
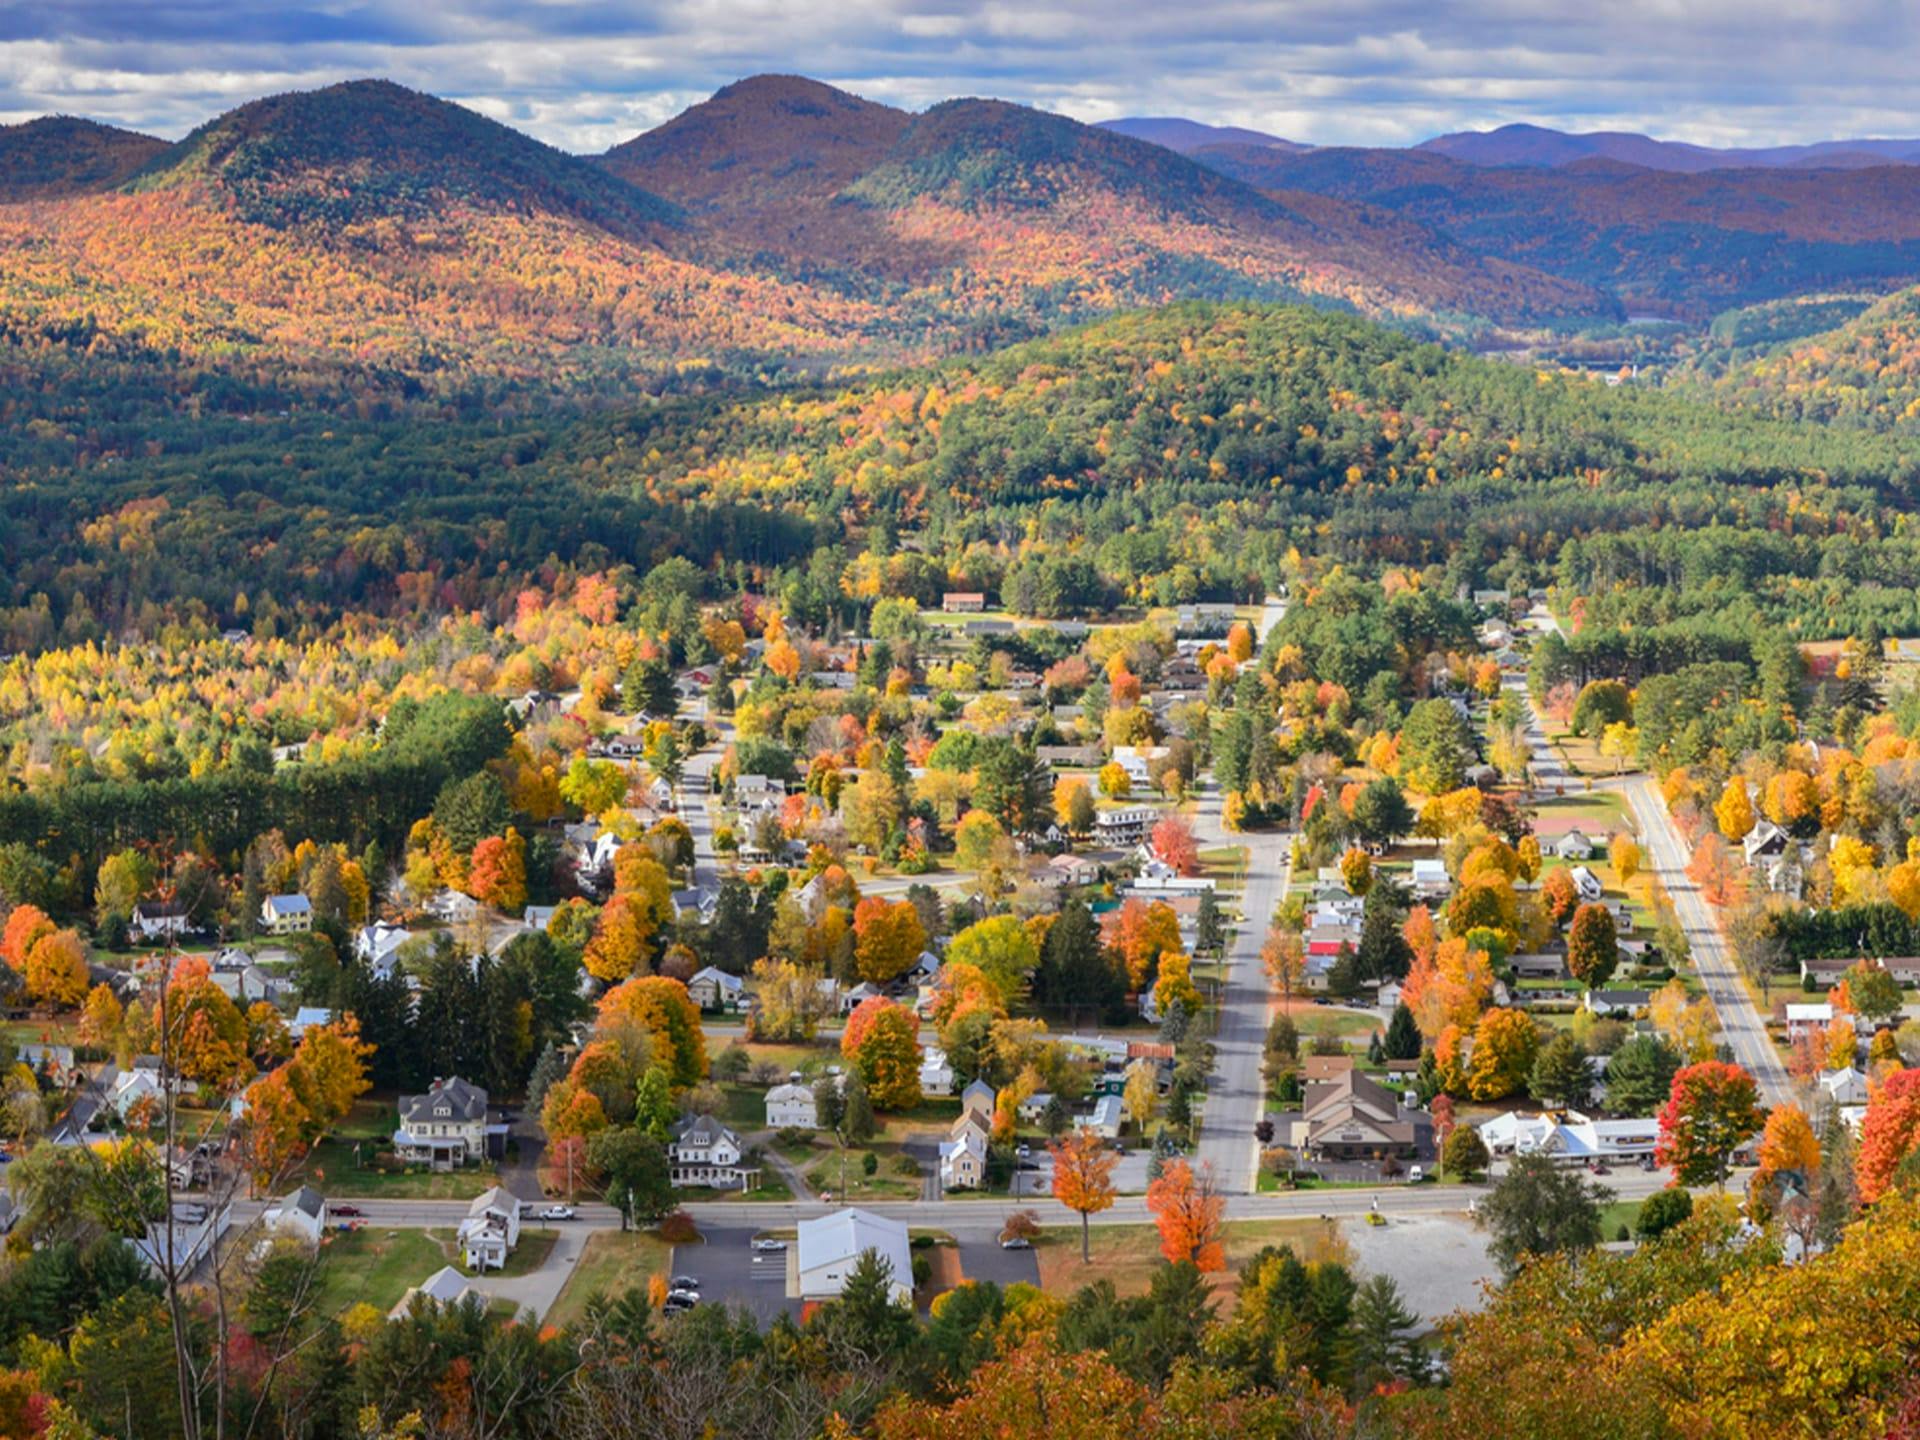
[153,921]
[491,1229]
[1574,845]
[790,1106]
[963,1156]
[185,1240]
[307,1017]
[715,989]
[1845,1086]
[1586,884]
[286,914]
[1616,1002]
[1570,1136]
[706,1153]
[1105,1121]
[445,1127]
[446,1287]
[302,1214]
[851,1000]
[137,1088]
[1122,826]
[452,906]
[1805,1019]
[377,943]
[1430,880]
[936,1072]
[829,1248]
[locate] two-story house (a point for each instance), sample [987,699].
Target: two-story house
[445,1127]
[491,1229]
[706,1153]
[286,914]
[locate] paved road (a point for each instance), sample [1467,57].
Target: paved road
[1236,1091]
[1740,1019]
[984,1215]
[1741,1023]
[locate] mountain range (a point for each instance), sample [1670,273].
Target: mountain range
[782,225]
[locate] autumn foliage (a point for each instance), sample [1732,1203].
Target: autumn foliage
[1189,1212]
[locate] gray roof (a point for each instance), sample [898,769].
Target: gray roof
[307,1200]
[702,1130]
[469,1101]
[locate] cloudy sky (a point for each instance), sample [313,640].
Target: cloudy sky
[584,74]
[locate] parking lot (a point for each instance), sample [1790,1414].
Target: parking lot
[731,1272]
[981,1258]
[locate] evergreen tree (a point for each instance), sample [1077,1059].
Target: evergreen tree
[1210,926]
[1074,974]
[1561,1073]
[1381,1340]
[1403,1035]
[856,1116]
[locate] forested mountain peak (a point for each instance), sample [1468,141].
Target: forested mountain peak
[369,149]
[775,137]
[1186,136]
[66,155]
[984,152]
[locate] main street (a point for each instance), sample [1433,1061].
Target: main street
[1337,1203]
[1236,1091]
[1665,853]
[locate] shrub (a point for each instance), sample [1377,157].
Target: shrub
[678,1229]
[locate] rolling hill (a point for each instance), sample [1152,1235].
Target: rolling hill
[1686,245]
[1187,136]
[60,155]
[996,221]
[1537,145]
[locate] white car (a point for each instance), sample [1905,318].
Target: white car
[1416,1174]
[769,1245]
[557,1212]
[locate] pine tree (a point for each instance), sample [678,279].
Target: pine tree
[856,1119]
[1403,1036]
[1210,927]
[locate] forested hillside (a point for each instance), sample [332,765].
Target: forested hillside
[1182,451]
[1674,244]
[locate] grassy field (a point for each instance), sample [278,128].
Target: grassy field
[885,1183]
[374,1266]
[1128,1255]
[611,1263]
[331,1168]
[1616,1214]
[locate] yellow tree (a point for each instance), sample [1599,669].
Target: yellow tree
[1787,1147]
[1141,1093]
[1733,811]
[1623,851]
[56,970]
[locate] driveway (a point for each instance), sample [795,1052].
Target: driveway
[537,1290]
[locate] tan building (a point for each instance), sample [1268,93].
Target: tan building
[1347,1115]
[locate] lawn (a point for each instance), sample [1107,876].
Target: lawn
[374,1266]
[612,1262]
[1128,1255]
[1615,1214]
[331,1168]
[884,1184]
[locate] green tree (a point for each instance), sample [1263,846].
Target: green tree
[1465,1153]
[1537,1208]
[1403,1035]
[1640,1075]
[1381,1336]
[639,1181]
[1561,1073]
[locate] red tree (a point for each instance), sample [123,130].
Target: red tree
[1173,842]
[1712,1110]
[1889,1133]
[1188,1211]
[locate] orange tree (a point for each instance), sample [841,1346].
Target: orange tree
[1083,1179]
[1889,1133]
[1188,1211]
[887,938]
[661,1006]
[882,1039]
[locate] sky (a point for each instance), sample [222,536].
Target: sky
[586,74]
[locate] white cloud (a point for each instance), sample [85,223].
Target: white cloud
[585,74]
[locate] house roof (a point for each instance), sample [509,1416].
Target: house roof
[495,1198]
[307,1200]
[447,1285]
[469,1101]
[718,977]
[289,904]
[702,1130]
[845,1234]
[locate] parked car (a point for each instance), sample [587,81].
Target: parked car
[346,1210]
[679,1304]
[1416,1173]
[557,1212]
[769,1244]
[683,1282]
[1023,1150]
[1015,1242]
